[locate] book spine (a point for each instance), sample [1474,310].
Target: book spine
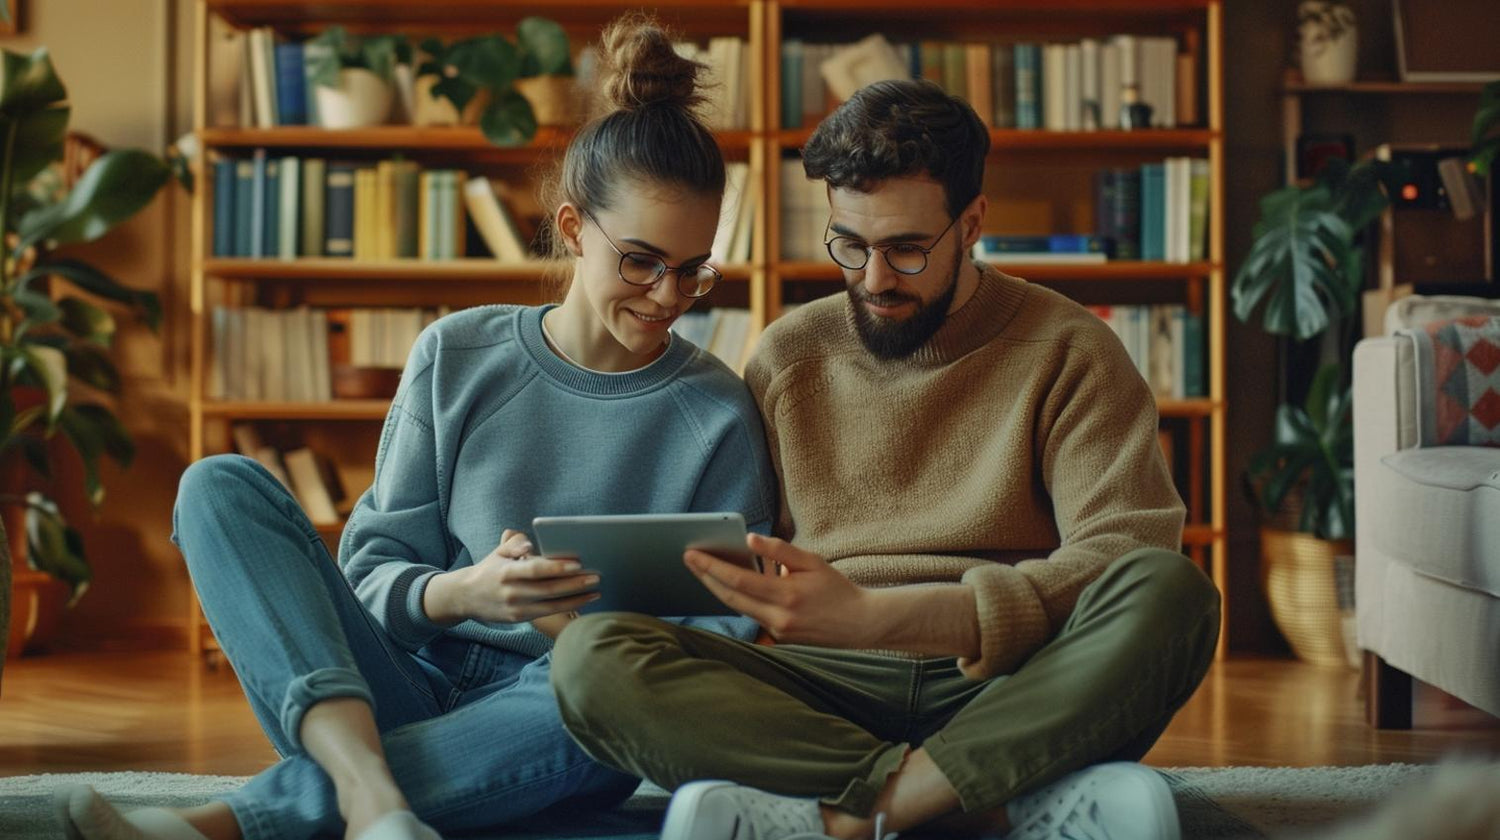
[224,204]
[1003,84]
[314,177]
[1028,77]
[1127,214]
[272,225]
[291,84]
[338,224]
[791,84]
[257,217]
[290,199]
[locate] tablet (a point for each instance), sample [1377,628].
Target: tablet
[639,557]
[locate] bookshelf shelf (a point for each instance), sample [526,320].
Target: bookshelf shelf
[470,270]
[1122,270]
[1019,140]
[413,139]
[465,14]
[334,410]
[1386,88]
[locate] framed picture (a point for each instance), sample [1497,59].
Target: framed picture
[1447,40]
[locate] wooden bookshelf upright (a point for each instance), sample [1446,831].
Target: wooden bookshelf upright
[766,282]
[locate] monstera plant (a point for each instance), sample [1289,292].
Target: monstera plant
[57,313]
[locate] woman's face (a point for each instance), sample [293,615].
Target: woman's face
[667,222]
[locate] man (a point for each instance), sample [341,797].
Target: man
[980,597]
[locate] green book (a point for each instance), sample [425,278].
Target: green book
[313,174]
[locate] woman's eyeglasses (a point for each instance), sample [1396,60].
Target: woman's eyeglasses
[639,268]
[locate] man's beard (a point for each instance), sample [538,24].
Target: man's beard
[891,339]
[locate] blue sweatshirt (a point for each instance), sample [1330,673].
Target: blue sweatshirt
[490,429]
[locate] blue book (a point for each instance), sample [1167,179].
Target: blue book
[258,200]
[791,84]
[1007,244]
[1074,243]
[291,85]
[244,195]
[1194,383]
[338,208]
[224,207]
[1153,211]
[1028,70]
[272,242]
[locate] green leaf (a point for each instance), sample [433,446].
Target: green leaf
[50,367]
[544,48]
[114,188]
[53,547]
[456,90]
[146,304]
[39,142]
[509,120]
[118,444]
[488,61]
[35,451]
[95,433]
[1321,397]
[28,83]
[38,307]
[87,321]
[93,367]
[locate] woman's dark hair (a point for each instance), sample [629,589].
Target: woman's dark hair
[649,130]
[898,128]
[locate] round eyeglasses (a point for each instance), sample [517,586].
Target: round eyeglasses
[639,268]
[903,257]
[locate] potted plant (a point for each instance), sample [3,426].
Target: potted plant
[1486,134]
[480,79]
[1328,42]
[55,371]
[353,78]
[1307,265]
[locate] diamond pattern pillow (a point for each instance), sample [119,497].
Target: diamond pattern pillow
[1458,381]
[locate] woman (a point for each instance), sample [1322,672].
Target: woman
[410,693]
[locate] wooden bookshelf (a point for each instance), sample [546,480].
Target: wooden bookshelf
[766,280]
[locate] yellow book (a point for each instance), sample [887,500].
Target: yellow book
[365,184]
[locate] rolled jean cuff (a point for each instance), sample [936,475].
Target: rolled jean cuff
[307,691]
[858,797]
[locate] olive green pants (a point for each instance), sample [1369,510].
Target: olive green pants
[672,704]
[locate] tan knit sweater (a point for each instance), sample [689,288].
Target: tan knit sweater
[1016,452]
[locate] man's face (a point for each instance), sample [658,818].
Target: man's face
[896,313]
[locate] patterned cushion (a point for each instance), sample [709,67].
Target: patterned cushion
[1458,381]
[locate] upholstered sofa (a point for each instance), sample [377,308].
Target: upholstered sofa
[1427,567]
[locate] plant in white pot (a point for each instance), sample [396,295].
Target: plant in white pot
[1328,42]
[353,77]
[507,88]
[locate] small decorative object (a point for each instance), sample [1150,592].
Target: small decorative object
[353,77]
[1134,114]
[481,78]
[1328,42]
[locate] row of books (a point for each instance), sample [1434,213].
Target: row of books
[289,207]
[1166,343]
[723,331]
[311,478]
[1056,86]
[287,355]
[1158,211]
[263,79]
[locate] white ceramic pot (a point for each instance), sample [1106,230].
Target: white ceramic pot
[1329,42]
[362,99]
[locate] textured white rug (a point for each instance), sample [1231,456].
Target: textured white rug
[1214,803]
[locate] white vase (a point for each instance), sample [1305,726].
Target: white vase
[362,99]
[1328,53]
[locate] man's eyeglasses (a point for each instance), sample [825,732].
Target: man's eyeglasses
[902,257]
[639,268]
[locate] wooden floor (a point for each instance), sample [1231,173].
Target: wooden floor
[166,712]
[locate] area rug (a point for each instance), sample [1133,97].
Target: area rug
[1214,803]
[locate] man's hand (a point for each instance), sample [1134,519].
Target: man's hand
[510,585]
[810,602]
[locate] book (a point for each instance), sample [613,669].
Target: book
[1153,209]
[791,84]
[248,442]
[1198,187]
[307,485]
[257,211]
[225,74]
[1028,79]
[262,76]
[291,85]
[289,188]
[338,204]
[271,227]
[1054,81]
[404,179]
[224,205]
[1090,106]
[955,71]
[495,225]
[980,78]
[1003,85]
[311,238]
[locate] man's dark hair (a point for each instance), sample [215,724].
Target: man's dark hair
[898,128]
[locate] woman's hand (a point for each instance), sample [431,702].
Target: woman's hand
[510,585]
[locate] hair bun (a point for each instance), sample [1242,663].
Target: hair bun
[641,69]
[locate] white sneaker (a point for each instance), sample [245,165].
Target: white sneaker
[1118,801]
[726,811]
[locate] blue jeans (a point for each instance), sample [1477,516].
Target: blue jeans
[472,732]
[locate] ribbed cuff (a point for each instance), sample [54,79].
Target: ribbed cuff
[409,624]
[1012,623]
